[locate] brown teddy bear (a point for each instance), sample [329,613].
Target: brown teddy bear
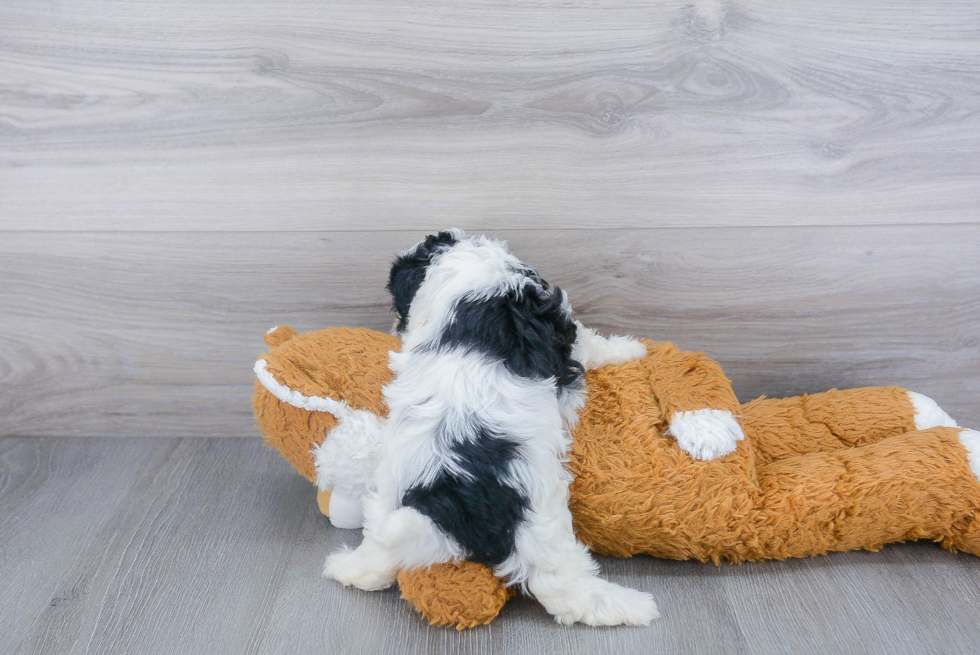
[836,471]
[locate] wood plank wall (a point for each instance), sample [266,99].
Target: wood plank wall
[791,186]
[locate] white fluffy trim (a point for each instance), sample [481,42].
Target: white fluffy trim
[928,414]
[971,441]
[706,433]
[348,457]
[313,403]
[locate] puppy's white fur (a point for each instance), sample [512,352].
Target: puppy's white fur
[438,392]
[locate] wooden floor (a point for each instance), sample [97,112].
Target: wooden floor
[216,545]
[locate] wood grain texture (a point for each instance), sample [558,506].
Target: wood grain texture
[171,566]
[55,498]
[914,585]
[215,546]
[154,334]
[370,115]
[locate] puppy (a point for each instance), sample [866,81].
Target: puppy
[487,385]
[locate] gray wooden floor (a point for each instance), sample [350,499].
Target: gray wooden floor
[130,545]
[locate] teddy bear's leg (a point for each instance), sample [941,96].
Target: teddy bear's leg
[918,485]
[784,427]
[293,431]
[323,502]
[967,535]
[460,594]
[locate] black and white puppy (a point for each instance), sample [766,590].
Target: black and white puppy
[487,385]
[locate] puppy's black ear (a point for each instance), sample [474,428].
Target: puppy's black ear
[408,271]
[529,329]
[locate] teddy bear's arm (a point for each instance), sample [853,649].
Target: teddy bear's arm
[697,400]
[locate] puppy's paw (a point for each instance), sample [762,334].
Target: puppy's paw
[355,568]
[706,433]
[598,602]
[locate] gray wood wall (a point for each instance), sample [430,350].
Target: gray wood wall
[791,186]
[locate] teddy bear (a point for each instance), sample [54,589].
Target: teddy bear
[834,471]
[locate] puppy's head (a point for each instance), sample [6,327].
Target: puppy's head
[408,271]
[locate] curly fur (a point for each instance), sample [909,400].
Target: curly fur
[484,394]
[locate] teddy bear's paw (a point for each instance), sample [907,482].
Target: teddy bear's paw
[359,569]
[970,439]
[593,350]
[706,433]
[595,601]
[928,413]
[625,349]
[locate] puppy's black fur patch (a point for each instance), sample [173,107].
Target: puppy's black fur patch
[532,334]
[408,273]
[474,506]
[525,328]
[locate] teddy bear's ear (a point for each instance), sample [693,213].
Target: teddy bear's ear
[279,334]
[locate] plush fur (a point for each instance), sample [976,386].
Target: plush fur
[836,471]
[484,393]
